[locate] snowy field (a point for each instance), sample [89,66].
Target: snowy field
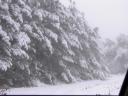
[109,86]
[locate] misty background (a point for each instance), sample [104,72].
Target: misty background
[111,16]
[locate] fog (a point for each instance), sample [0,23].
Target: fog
[109,15]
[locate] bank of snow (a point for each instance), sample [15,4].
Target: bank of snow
[111,86]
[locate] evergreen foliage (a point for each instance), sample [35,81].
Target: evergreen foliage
[44,40]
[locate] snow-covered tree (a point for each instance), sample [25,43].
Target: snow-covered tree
[44,40]
[116,54]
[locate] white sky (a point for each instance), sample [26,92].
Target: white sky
[111,16]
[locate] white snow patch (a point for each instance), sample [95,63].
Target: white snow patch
[74,41]
[68,58]
[49,45]
[64,42]
[27,28]
[23,39]
[4,6]
[71,52]
[19,52]
[83,64]
[11,22]
[5,37]
[38,13]
[110,86]
[4,65]
[52,35]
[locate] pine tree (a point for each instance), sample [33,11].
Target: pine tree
[44,40]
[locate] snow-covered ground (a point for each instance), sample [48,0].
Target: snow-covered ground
[92,87]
